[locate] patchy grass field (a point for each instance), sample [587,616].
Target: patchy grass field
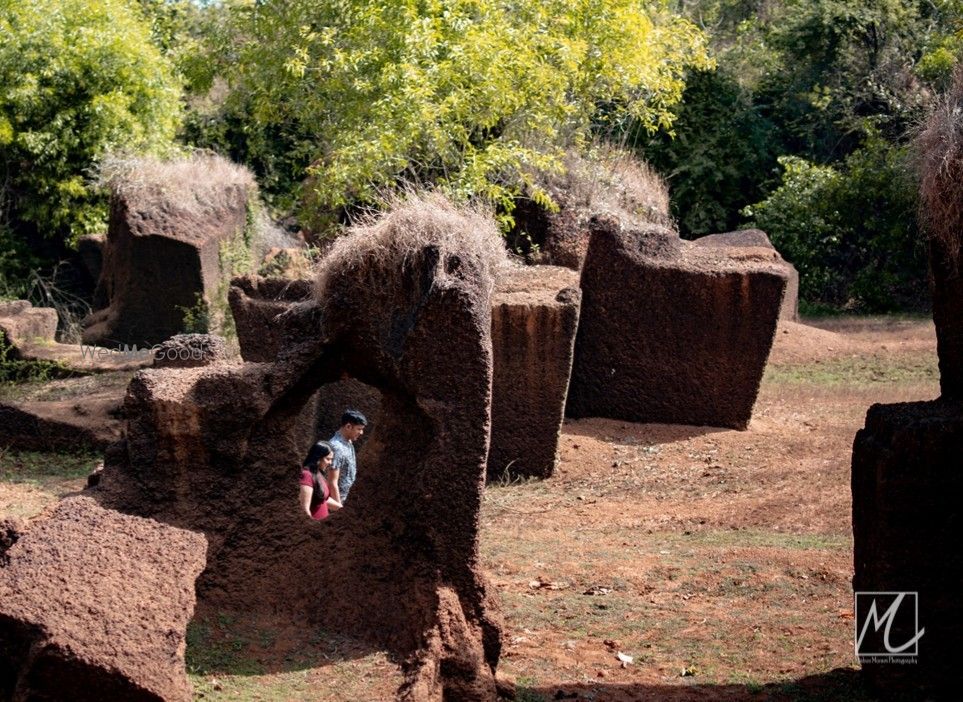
[719,561]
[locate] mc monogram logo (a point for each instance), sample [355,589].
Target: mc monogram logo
[887,627]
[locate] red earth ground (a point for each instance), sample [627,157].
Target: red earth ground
[719,562]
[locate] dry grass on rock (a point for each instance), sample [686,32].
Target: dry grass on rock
[614,181]
[940,153]
[199,184]
[375,252]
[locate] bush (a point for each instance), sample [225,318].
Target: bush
[77,78]
[472,95]
[851,231]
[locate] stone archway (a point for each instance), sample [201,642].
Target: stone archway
[215,451]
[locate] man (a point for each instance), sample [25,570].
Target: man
[343,470]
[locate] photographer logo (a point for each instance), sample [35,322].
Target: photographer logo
[887,627]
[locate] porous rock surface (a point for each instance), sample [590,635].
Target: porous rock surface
[401,560]
[190,351]
[907,521]
[159,260]
[535,313]
[261,308]
[755,244]
[946,267]
[11,529]
[94,605]
[669,331]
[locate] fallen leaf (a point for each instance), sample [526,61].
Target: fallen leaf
[625,658]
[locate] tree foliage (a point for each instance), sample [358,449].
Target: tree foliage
[77,79]
[851,230]
[830,86]
[720,156]
[472,95]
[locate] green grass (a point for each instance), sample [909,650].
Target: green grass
[860,371]
[67,388]
[44,468]
[231,658]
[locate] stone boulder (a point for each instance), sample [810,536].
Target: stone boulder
[94,605]
[535,313]
[162,256]
[946,266]
[907,520]
[23,325]
[28,333]
[754,244]
[190,351]
[670,331]
[406,309]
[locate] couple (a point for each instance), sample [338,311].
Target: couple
[330,468]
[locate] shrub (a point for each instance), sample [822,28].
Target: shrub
[851,231]
[720,156]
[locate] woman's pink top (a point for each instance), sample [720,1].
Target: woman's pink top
[319,508]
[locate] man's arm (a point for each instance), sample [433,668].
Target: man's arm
[335,493]
[306,493]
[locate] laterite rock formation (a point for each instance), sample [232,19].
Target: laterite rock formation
[534,319]
[94,605]
[670,331]
[404,307]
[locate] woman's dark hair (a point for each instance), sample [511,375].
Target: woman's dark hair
[317,452]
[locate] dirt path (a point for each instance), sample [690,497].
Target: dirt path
[720,561]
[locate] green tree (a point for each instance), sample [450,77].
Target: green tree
[474,95]
[77,78]
[720,156]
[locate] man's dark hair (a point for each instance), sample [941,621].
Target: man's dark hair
[353,416]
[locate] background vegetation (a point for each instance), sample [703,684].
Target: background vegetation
[803,131]
[791,115]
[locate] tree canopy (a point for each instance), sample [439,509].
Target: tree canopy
[472,95]
[77,78]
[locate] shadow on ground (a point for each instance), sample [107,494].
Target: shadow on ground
[839,685]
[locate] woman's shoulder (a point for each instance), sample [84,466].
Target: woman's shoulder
[306,477]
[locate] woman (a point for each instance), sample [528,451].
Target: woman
[315,498]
